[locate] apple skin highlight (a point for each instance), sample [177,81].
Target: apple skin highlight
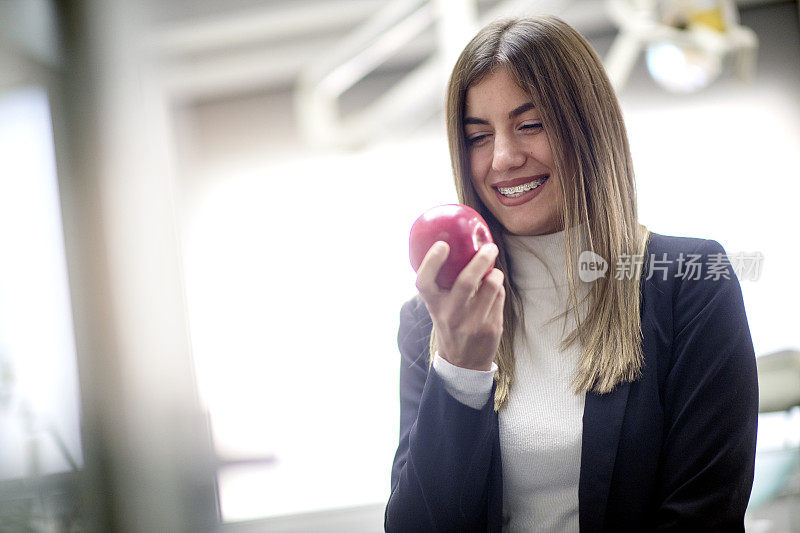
[461,227]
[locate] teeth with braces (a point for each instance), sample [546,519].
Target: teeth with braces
[513,192]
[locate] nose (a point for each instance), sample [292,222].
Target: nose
[508,154]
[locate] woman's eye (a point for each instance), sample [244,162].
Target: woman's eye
[531,126]
[477,139]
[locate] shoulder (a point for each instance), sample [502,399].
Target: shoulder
[694,271]
[682,260]
[673,246]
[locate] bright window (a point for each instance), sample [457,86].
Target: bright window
[39,401]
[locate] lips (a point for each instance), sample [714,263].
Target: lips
[518,181]
[524,197]
[513,192]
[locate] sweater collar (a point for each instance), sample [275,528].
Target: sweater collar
[538,261]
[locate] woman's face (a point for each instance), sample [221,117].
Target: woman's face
[510,157]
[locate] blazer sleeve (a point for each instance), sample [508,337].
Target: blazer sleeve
[711,406]
[440,475]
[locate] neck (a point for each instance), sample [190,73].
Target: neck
[539,261]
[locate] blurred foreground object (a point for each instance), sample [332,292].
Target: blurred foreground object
[144,462]
[686,42]
[778,449]
[779,381]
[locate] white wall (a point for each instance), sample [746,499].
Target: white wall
[297,265]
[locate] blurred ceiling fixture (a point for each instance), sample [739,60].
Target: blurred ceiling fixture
[398,23]
[687,43]
[420,93]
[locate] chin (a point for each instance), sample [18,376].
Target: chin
[525,227]
[532,229]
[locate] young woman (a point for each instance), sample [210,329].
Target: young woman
[601,377]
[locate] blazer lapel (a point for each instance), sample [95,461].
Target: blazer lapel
[602,423]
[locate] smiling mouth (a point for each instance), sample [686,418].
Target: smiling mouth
[519,190]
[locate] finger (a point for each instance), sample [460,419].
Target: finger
[489,288]
[496,311]
[429,269]
[469,278]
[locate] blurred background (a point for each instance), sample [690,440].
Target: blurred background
[204,214]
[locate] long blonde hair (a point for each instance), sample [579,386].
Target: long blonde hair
[566,81]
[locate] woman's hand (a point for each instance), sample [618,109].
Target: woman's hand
[468,318]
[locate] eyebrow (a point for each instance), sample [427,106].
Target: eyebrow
[515,113]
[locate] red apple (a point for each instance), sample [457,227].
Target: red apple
[463,228]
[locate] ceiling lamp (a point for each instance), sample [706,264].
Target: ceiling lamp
[686,42]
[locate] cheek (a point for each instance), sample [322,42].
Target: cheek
[474,171]
[476,185]
[473,163]
[477,176]
[548,159]
[547,154]
[540,150]
[478,165]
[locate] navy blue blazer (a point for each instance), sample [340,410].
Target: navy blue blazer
[672,451]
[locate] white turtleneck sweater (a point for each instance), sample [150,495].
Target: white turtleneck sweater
[541,426]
